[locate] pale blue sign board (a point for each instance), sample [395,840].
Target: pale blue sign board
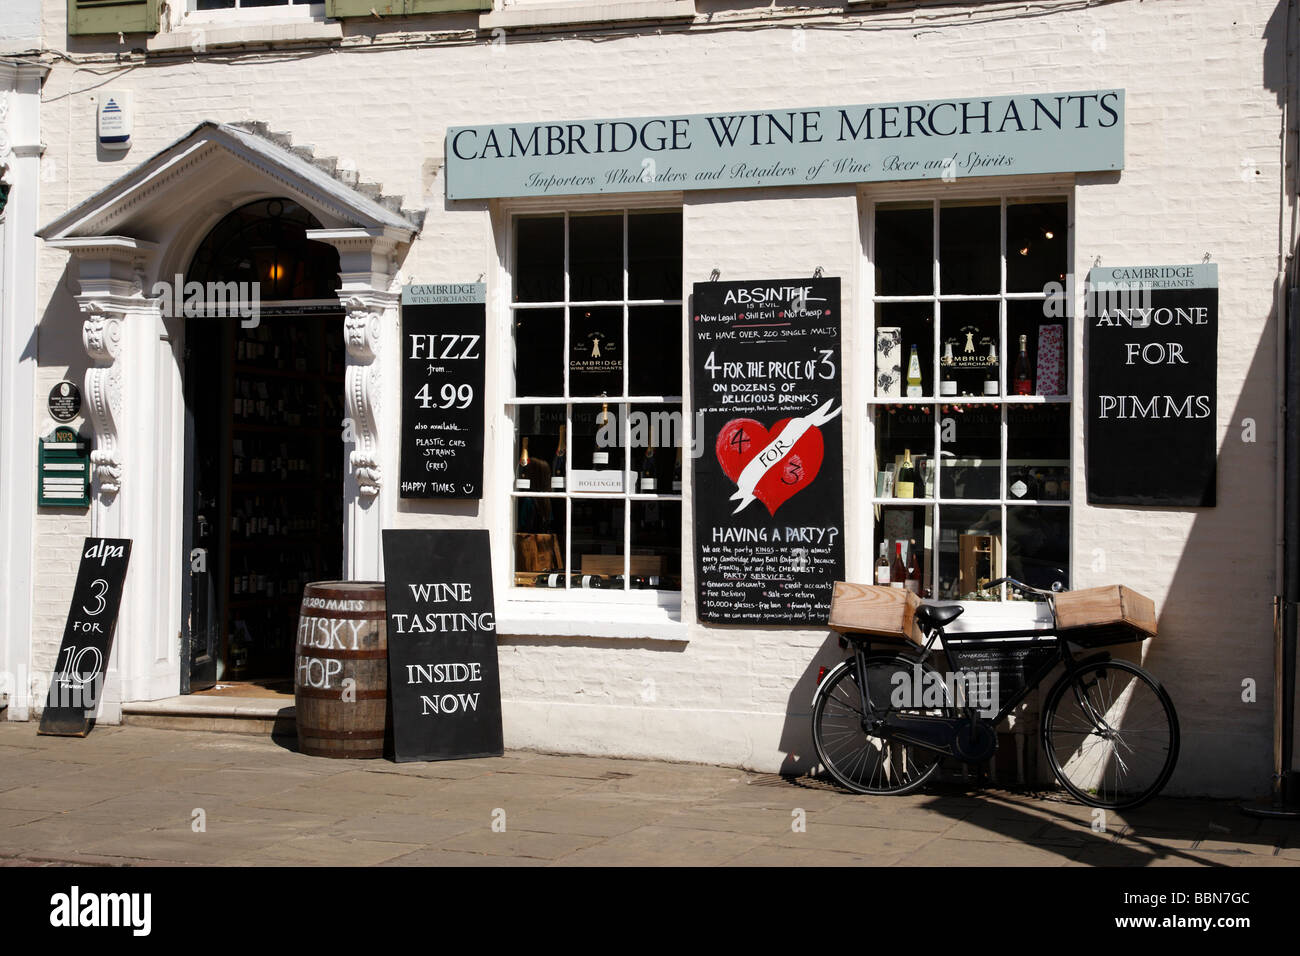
[930,139]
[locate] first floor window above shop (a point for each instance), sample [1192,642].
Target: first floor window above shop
[299,6]
[971,394]
[596,317]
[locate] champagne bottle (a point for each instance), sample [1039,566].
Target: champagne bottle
[557,464]
[914,565]
[898,571]
[1023,381]
[600,456]
[522,482]
[913,375]
[882,567]
[991,372]
[947,372]
[906,482]
[677,473]
[649,470]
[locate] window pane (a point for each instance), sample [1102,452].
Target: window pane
[1046,357]
[970,544]
[596,350]
[655,435]
[655,350]
[539,259]
[539,542]
[654,255]
[1038,545]
[971,445]
[904,249]
[912,528]
[970,238]
[1036,246]
[900,328]
[598,542]
[539,352]
[968,349]
[903,431]
[656,560]
[215,5]
[539,430]
[1038,452]
[595,258]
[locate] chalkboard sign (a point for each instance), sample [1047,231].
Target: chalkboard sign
[442,645]
[1152,365]
[443,363]
[78,679]
[769,483]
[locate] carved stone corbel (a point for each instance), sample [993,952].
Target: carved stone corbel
[101,333]
[363,333]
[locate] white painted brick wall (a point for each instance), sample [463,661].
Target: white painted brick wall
[1198,115]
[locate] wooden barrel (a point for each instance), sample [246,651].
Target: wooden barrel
[342,638]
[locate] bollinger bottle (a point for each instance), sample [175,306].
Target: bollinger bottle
[557,464]
[522,481]
[599,455]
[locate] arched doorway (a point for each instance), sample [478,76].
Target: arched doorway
[263,441]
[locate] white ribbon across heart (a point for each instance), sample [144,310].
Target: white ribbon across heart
[775,451]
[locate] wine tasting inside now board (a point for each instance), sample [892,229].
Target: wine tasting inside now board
[78,678]
[443,367]
[769,481]
[442,645]
[1152,366]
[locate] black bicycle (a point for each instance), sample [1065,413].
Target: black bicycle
[884,719]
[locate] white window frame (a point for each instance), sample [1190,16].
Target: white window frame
[628,613]
[979,614]
[241,14]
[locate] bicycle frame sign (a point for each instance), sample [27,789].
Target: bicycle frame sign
[77,684]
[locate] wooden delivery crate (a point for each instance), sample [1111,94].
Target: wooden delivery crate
[873,609]
[1108,615]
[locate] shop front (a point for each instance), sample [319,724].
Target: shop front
[661,590]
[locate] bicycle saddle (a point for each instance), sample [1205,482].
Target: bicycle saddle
[931,616]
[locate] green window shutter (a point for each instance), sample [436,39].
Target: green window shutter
[112,16]
[446,6]
[362,8]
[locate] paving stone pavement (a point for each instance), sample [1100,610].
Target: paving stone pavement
[140,796]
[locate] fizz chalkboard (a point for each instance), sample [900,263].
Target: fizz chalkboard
[1151,353]
[769,482]
[442,645]
[78,679]
[443,369]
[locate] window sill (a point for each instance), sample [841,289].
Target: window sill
[544,15]
[198,38]
[643,622]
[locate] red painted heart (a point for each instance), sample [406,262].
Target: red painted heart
[743,438]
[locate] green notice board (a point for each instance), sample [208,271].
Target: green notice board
[63,470]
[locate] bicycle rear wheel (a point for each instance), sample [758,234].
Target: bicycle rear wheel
[1111,734]
[858,760]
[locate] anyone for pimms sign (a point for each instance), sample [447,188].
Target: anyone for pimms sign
[1152,362]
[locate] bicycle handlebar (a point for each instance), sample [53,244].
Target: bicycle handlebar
[1018,585]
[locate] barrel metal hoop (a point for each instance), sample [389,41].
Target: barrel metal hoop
[335,614]
[321,693]
[371,654]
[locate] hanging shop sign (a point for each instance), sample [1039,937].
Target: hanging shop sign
[1152,365]
[78,680]
[924,139]
[65,402]
[443,368]
[442,645]
[63,470]
[769,483]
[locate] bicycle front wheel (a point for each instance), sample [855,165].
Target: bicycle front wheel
[861,761]
[1111,734]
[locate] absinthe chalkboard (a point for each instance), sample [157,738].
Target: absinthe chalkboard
[442,645]
[1152,365]
[443,368]
[78,680]
[769,486]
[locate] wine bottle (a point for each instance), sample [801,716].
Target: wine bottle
[882,567]
[914,564]
[906,481]
[991,372]
[522,482]
[898,570]
[600,456]
[947,379]
[649,470]
[913,375]
[557,464]
[677,472]
[1023,381]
